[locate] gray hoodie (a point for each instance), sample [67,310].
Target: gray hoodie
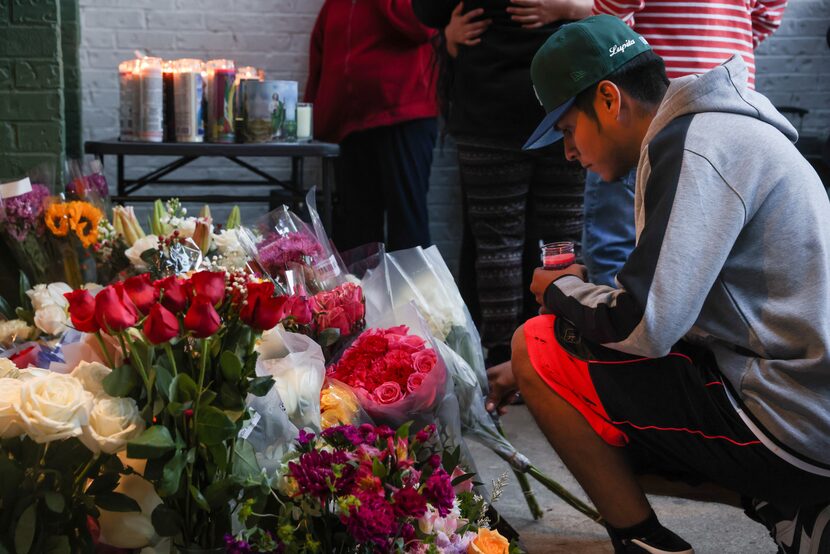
[733,251]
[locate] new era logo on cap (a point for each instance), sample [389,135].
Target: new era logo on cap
[572,59]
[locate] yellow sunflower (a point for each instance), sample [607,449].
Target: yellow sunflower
[57,220]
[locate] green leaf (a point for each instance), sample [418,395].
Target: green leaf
[54,501]
[163,380]
[259,386]
[229,397]
[116,502]
[154,442]
[218,455]
[219,493]
[378,469]
[329,336]
[231,366]
[461,478]
[200,500]
[214,426]
[58,545]
[245,466]
[171,476]
[403,430]
[25,301]
[183,389]
[5,309]
[121,381]
[105,483]
[24,533]
[166,521]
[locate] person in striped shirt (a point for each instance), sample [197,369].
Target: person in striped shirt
[692,37]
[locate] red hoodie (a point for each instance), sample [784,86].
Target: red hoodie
[370,65]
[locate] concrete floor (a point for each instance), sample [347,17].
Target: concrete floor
[710,528]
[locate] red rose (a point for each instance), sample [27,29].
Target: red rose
[161,325]
[114,311]
[202,318]
[262,310]
[298,308]
[141,292]
[173,293]
[210,285]
[82,310]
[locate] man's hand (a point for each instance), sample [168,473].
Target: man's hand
[533,14]
[542,278]
[503,388]
[463,30]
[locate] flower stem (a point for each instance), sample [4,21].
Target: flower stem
[104,349]
[170,357]
[565,495]
[530,498]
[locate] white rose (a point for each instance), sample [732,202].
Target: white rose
[51,319]
[49,295]
[93,288]
[15,329]
[133,253]
[8,369]
[31,373]
[227,242]
[91,376]
[112,423]
[186,227]
[53,407]
[9,401]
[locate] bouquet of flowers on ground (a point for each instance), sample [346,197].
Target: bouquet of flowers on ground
[190,365]
[369,490]
[59,431]
[23,229]
[395,374]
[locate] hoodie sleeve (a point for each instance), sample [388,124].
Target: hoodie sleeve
[766,18]
[692,218]
[315,58]
[624,9]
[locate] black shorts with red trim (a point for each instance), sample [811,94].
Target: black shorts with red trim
[672,414]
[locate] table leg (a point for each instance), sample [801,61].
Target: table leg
[122,186]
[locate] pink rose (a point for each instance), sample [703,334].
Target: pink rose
[298,308]
[334,318]
[464,486]
[414,381]
[424,361]
[388,392]
[323,301]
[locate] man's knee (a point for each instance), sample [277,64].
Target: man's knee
[520,360]
[518,346]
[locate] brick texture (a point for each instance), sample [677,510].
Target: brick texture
[793,69]
[31,86]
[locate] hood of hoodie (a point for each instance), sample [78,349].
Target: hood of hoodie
[722,89]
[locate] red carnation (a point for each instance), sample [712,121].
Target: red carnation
[82,310]
[202,318]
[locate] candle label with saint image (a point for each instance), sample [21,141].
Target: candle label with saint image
[221,77]
[188,90]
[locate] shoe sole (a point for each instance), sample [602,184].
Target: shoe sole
[652,550]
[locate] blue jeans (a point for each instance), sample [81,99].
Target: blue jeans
[608,234]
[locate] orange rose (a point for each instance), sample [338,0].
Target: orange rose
[488,542]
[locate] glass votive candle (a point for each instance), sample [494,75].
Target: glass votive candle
[305,121]
[558,255]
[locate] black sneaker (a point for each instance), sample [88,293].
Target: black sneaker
[660,541]
[803,530]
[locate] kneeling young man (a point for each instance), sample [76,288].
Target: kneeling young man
[709,365]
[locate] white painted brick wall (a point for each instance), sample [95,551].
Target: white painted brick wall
[793,69]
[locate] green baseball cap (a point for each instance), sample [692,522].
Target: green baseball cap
[573,58]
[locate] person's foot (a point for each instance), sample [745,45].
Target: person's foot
[803,530]
[662,541]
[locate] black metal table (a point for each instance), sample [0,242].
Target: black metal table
[294,188]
